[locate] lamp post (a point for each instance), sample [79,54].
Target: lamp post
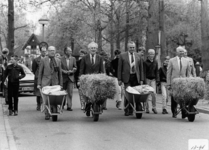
[43,21]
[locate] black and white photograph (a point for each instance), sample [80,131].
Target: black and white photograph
[104,74]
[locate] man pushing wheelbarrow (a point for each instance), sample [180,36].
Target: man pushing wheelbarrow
[49,74]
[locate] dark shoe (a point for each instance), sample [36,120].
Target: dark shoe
[15,113]
[184,115]
[174,116]
[104,108]
[69,109]
[147,111]
[164,111]
[126,113]
[47,117]
[154,110]
[38,108]
[10,112]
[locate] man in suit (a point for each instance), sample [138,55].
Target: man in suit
[191,63]
[177,67]
[50,72]
[130,71]
[35,69]
[68,65]
[91,63]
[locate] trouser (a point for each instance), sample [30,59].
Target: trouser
[164,90]
[13,90]
[68,86]
[152,96]
[132,82]
[6,94]
[119,94]
[39,100]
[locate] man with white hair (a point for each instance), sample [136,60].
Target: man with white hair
[177,67]
[151,76]
[91,63]
[191,63]
[130,72]
[50,73]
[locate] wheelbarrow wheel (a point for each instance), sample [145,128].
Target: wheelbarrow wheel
[96,109]
[191,117]
[54,117]
[138,108]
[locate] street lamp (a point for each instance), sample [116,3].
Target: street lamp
[43,21]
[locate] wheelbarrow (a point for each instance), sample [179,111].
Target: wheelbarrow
[93,108]
[137,102]
[53,104]
[187,108]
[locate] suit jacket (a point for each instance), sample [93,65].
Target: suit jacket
[72,64]
[86,66]
[35,66]
[124,67]
[47,76]
[192,68]
[174,69]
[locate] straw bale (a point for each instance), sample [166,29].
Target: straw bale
[97,87]
[186,89]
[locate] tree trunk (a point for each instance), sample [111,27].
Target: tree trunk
[99,27]
[205,34]
[162,29]
[127,25]
[111,31]
[153,24]
[1,47]
[10,37]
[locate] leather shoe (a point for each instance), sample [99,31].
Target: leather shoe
[69,109]
[104,108]
[154,110]
[147,111]
[10,112]
[38,108]
[126,114]
[174,116]
[15,113]
[164,111]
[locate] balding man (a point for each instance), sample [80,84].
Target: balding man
[151,75]
[191,64]
[177,67]
[91,63]
[50,72]
[130,72]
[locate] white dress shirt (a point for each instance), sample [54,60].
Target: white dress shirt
[94,58]
[131,63]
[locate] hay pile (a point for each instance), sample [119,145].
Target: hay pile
[97,87]
[186,89]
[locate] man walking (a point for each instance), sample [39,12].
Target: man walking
[151,73]
[130,71]
[91,63]
[177,67]
[14,72]
[68,65]
[50,72]
[35,69]
[4,63]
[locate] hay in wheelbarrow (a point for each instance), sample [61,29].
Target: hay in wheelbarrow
[188,89]
[97,87]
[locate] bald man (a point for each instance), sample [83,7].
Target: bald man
[50,72]
[177,67]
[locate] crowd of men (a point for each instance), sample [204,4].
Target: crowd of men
[128,68]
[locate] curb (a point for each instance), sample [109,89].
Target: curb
[7,141]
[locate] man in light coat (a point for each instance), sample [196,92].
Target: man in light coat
[177,67]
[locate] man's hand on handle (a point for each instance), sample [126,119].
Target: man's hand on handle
[119,83]
[39,86]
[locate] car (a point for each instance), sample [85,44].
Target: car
[26,83]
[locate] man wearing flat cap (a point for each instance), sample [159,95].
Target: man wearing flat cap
[177,67]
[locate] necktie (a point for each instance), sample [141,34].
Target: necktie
[132,60]
[51,64]
[92,61]
[180,64]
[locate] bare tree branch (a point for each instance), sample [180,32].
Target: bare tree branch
[20,27]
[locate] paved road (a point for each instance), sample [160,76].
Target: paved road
[114,131]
